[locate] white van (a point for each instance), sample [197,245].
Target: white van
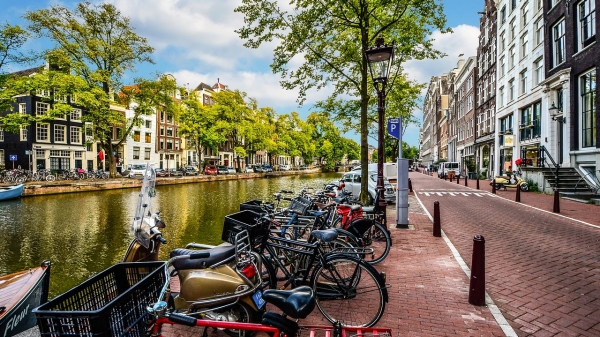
[136,170]
[390,171]
[449,166]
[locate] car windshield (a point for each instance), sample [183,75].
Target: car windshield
[138,167]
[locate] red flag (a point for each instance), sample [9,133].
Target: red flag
[101,155]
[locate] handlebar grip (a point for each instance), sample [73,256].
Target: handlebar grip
[286,191]
[288,199]
[182,319]
[162,240]
[199,255]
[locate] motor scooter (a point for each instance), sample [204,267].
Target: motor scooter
[512,181]
[226,286]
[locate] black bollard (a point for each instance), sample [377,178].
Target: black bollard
[518,197]
[477,181]
[494,186]
[409,185]
[437,229]
[477,284]
[556,207]
[466,178]
[457,179]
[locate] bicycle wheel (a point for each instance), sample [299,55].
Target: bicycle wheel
[268,274]
[349,290]
[372,234]
[50,177]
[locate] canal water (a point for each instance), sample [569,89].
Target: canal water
[85,233]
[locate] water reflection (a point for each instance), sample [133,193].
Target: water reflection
[85,233]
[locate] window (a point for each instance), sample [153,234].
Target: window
[148,137]
[513,4]
[558,36]
[170,132]
[75,135]
[42,92]
[136,152]
[1,135]
[169,119]
[76,115]
[524,13]
[511,90]
[587,91]
[530,126]
[22,108]
[502,41]
[162,116]
[539,31]
[501,98]
[146,153]
[512,30]
[523,79]
[169,144]
[59,133]
[587,22]
[148,124]
[470,102]
[502,67]
[42,131]
[2,157]
[162,130]
[524,42]
[503,14]
[511,57]
[506,126]
[539,5]
[23,134]
[136,136]
[538,67]
[41,108]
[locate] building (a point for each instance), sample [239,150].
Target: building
[571,51]
[522,125]
[464,110]
[485,84]
[168,141]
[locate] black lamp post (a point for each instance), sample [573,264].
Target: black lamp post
[379,58]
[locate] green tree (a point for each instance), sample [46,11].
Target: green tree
[332,38]
[98,44]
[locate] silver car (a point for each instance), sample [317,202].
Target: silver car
[352,182]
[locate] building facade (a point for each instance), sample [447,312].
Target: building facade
[464,110]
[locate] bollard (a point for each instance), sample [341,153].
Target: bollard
[494,186]
[457,179]
[409,185]
[477,284]
[556,207]
[466,178]
[477,181]
[518,197]
[437,229]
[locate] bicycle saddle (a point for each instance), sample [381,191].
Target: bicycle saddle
[325,235]
[217,254]
[368,209]
[296,303]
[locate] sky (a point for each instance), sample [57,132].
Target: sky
[195,42]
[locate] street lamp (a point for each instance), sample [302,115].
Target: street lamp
[554,114]
[379,58]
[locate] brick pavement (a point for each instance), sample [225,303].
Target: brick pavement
[429,291]
[542,269]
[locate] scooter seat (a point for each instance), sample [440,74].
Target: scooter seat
[296,303]
[217,254]
[368,209]
[325,235]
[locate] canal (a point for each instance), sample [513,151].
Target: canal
[85,233]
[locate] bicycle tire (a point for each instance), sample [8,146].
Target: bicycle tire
[349,290]
[268,274]
[372,234]
[50,177]
[20,180]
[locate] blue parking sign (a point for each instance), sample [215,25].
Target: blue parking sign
[394,126]
[12,157]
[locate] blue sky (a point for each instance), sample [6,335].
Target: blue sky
[195,41]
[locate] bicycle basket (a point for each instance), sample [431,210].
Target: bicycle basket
[300,204]
[237,222]
[255,206]
[112,303]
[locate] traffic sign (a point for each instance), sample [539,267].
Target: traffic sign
[12,157]
[394,127]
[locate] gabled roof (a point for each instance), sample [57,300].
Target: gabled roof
[203,86]
[28,72]
[219,85]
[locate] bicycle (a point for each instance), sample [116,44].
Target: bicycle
[342,280]
[296,304]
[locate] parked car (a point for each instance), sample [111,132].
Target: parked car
[161,173]
[248,169]
[284,167]
[267,168]
[136,170]
[176,173]
[352,182]
[231,170]
[303,167]
[190,171]
[222,169]
[258,168]
[211,170]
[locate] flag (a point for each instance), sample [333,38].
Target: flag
[101,155]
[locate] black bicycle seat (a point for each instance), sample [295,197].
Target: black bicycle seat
[296,303]
[217,254]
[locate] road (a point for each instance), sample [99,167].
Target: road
[542,269]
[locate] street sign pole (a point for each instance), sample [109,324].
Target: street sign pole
[395,130]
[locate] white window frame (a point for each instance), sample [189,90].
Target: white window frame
[2,157]
[589,14]
[75,135]
[76,114]
[41,108]
[523,82]
[558,43]
[147,153]
[592,111]
[136,153]
[524,43]
[42,128]
[511,89]
[1,135]
[58,129]
[539,31]
[538,68]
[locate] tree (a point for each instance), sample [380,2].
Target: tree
[98,44]
[332,38]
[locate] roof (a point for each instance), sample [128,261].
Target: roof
[203,86]
[28,72]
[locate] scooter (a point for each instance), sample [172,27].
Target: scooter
[226,286]
[512,181]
